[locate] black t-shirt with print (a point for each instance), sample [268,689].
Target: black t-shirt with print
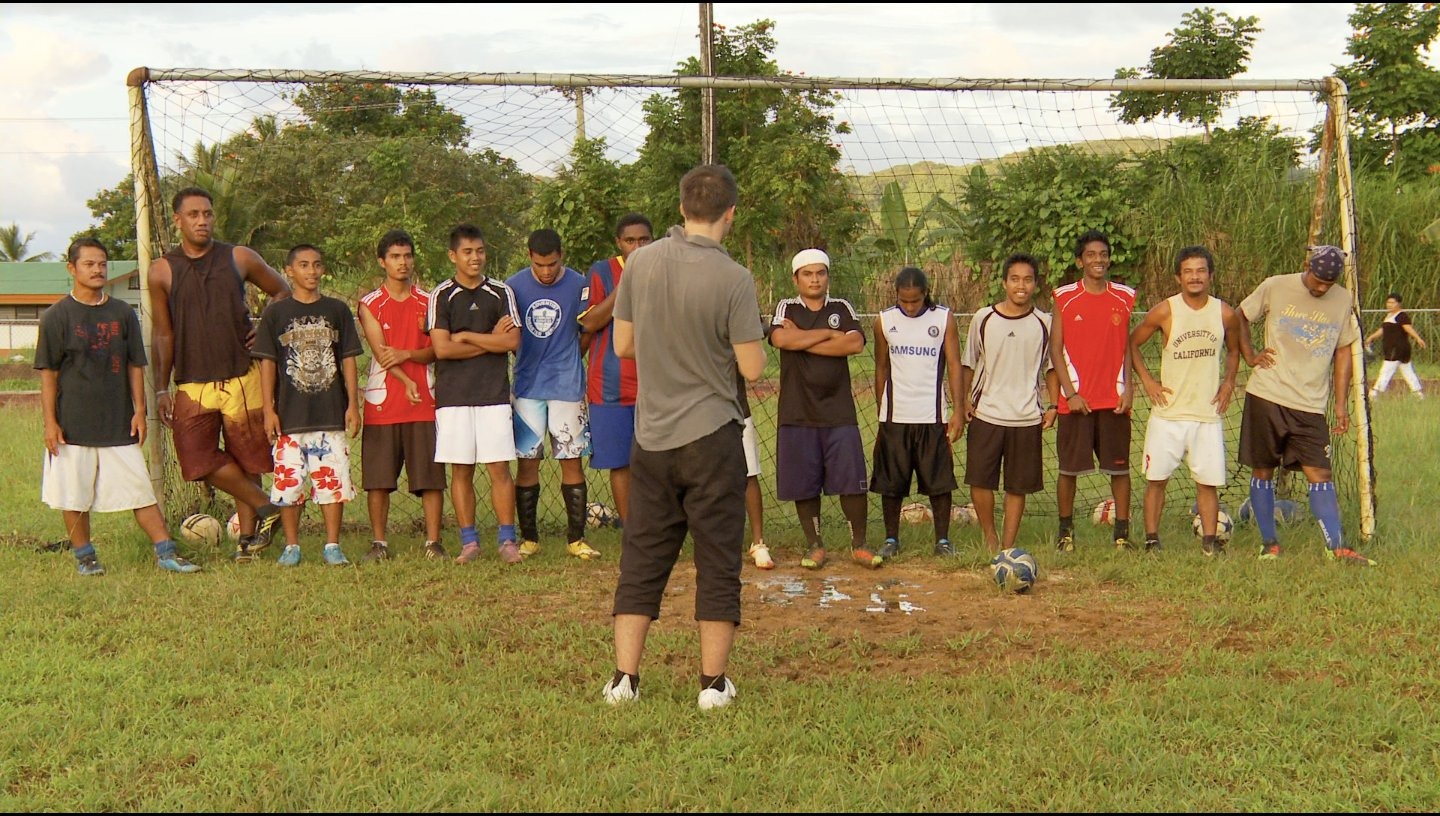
[814,388]
[308,342]
[93,348]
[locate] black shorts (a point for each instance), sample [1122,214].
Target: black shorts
[905,448]
[1020,449]
[697,488]
[1272,436]
[810,460]
[1083,439]
[384,449]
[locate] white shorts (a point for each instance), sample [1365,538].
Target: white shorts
[567,422]
[324,456]
[751,440]
[104,480]
[1200,444]
[474,435]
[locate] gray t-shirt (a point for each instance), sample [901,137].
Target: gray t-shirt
[1009,356]
[1304,331]
[688,303]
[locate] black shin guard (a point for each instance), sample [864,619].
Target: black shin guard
[575,500]
[527,502]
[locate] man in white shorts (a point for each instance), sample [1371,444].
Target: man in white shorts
[550,389]
[91,358]
[472,325]
[754,502]
[1188,402]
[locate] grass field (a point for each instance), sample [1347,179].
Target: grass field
[1122,682]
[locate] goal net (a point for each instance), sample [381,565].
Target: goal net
[951,175]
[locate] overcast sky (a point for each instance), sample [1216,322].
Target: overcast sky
[64,123]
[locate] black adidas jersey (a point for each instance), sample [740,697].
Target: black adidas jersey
[483,380]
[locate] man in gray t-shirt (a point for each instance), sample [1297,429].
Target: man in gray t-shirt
[685,312]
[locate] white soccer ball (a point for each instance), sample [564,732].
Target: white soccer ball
[1104,512]
[964,514]
[201,529]
[1224,526]
[916,513]
[1014,570]
[232,527]
[599,515]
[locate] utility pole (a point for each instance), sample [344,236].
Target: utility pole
[707,95]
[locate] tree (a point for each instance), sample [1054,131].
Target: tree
[583,202]
[1394,92]
[778,143]
[114,212]
[15,247]
[1206,45]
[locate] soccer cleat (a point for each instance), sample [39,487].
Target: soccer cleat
[174,563]
[290,556]
[528,548]
[1210,549]
[264,529]
[622,692]
[1270,551]
[944,547]
[581,550]
[1065,541]
[1152,545]
[1345,555]
[334,557]
[468,553]
[865,558]
[1122,543]
[510,554]
[889,549]
[379,551]
[712,698]
[89,565]
[814,560]
[761,554]
[244,550]
[434,549]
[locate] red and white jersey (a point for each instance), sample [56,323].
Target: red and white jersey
[1097,329]
[403,324]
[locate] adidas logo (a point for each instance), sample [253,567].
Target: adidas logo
[474,307]
[1078,318]
[897,328]
[1012,334]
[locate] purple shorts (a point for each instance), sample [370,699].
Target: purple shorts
[812,459]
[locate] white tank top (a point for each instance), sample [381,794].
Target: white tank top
[914,392]
[1190,364]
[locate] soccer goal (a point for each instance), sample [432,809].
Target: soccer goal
[949,174]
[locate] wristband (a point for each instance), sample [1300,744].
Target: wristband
[1052,408]
[160,391]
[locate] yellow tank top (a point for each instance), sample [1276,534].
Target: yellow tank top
[1190,363]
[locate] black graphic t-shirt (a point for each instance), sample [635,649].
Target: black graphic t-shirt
[93,348]
[308,342]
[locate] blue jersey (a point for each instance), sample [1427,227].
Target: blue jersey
[547,364]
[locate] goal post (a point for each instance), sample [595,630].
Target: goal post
[913,153]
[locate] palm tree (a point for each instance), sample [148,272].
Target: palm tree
[15,248]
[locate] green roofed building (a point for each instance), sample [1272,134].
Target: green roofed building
[27,288]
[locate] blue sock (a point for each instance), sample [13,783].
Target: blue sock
[1325,506]
[506,533]
[1262,504]
[164,549]
[468,536]
[81,553]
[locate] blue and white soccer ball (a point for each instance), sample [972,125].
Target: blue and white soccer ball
[599,515]
[1015,570]
[1224,526]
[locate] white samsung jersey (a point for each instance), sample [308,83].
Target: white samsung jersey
[914,391]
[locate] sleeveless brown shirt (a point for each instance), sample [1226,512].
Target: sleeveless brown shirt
[207,310]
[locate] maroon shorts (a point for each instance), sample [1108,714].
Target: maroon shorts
[1100,436]
[385,449]
[229,409]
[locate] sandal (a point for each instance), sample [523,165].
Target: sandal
[761,554]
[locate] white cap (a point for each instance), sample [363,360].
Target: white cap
[805,257]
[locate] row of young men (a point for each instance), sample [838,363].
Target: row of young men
[1082,358]
[280,397]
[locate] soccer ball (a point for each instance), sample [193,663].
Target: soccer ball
[598,515]
[964,514]
[201,529]
[232,527]
[1286,512]
[916,513]
[1014,570]
[1104,512]
[1223,526]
